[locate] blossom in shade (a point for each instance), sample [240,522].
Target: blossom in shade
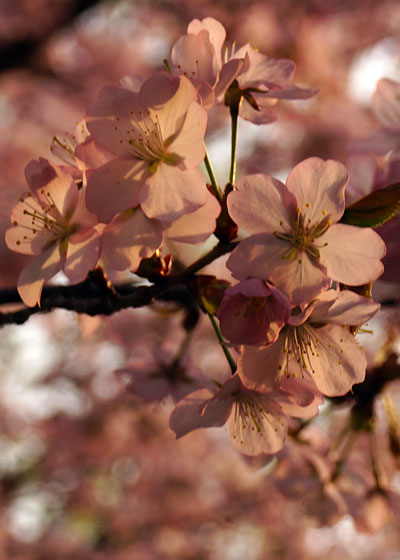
[315,343]
[253,312]
[52,223]
[157,139]
[296,242]
[257,421]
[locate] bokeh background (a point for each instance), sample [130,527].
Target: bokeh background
[87,471]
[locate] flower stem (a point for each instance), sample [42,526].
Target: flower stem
[213,180]
[232,171]
[225,350]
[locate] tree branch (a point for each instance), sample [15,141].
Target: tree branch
[95,296]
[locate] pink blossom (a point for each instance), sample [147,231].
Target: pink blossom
[257,422]
[253,312]
[386,105]
[295,241]
[262,81]
[315,343]
[259,80]
[157,138]
[52,223]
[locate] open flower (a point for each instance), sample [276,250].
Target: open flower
[296,242]
[257,421]
[157,138]
[314,342]
[255,81]
[52,223]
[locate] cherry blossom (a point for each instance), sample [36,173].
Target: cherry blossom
[295,240]
[314,342]
[52,223]
[253,312]
[255,420]
[245,75]
[156,136]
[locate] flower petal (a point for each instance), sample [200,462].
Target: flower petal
[130,237]
[115,186]
[41,268]
[261,204]
[351,254]
[190,412]
[83,252]
[318,186]
[169,192]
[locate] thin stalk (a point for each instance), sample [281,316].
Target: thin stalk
[167,66]
[225,350]
[232,171]
[213,180]
[179,355]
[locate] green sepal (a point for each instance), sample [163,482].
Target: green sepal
[208,291]
[374,209]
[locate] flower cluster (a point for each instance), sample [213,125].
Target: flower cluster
[130,183]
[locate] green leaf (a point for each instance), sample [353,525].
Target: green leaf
[374,209]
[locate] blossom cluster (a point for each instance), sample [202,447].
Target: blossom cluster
[130,183]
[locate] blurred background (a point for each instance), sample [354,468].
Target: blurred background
[87,471]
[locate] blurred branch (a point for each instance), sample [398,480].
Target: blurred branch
[22,52]
[95,296]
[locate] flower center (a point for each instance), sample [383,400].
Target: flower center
[249,413]
[40,218]
[303,235]
[302,345]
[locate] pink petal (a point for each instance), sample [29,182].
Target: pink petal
[349,308]
[263,69]
[258,366]
[265,114]
[318,186]
[51,185]
[197,226]
[193,55]
[266,434]
[167,98]
[251,313]
[216,34]
[189,144]
[336,363]
[83,252]
[228,73]
[20,237]
[292,91]
[261,204]
[386,103]
[303,397]
[169,192]
[109,119]
[115,186]
[261,256]
[41,268]
[351,254]
[189,413]
[130,237]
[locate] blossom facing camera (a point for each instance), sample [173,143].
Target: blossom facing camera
[157,139]
[52,224]
[295,240]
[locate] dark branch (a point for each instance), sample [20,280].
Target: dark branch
[95,296]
